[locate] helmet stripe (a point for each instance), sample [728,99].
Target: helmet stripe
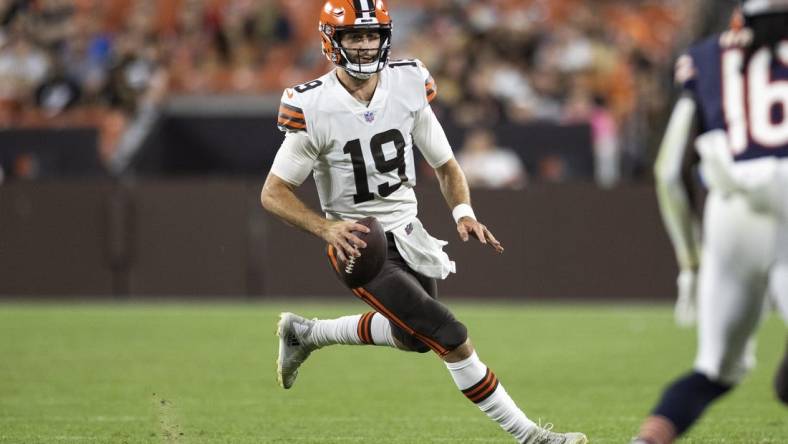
[369,9]
[365,9]
[357,6]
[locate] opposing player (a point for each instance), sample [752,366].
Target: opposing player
[736,93]
[354,129]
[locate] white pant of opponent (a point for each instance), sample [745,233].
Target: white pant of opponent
[745,252]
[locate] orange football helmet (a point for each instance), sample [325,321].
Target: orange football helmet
[338,16]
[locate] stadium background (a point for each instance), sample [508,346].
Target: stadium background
[135,136]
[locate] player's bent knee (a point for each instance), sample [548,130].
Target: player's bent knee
[728,378]
[420,348]
[411,344]
[723,370]
[451,335]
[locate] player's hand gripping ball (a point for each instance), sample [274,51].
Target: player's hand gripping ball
[357,271]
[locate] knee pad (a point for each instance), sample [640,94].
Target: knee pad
[451,335]
[419,347]
[409,342]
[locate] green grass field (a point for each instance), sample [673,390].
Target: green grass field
[205,374]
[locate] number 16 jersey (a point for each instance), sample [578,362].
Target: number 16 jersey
[748,101]
[361,155]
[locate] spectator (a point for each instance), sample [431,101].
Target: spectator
[489,166]
[583,107]
[57,92]
[23,66]
[493,61]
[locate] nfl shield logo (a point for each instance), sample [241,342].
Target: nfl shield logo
[369,116]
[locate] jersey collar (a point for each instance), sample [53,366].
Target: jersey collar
[362,111]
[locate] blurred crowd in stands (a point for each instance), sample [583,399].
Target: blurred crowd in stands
[112,63]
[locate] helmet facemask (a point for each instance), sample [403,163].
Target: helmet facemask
[353,60]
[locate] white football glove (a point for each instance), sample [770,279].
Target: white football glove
[685,312]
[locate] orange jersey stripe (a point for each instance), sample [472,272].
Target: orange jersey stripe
[291,123]
[291,113]
[432,91]
[290,108]
[291,119]
[431,95]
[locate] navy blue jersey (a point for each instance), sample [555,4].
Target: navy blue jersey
[750,104]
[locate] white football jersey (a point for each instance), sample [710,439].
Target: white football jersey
[362,155]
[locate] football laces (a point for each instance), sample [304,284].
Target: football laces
[350,264]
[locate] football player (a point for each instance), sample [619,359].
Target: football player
[736,95]
[354,129]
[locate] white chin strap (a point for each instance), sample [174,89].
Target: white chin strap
[360,71]
[358,75]
[757,7]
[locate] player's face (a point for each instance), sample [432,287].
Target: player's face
[361,46]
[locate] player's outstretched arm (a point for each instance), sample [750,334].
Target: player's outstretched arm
[279,198]
[675,208]
[671,192]
[455,190]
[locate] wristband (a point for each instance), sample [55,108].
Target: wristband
[461,211]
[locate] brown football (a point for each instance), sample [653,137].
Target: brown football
[359,271]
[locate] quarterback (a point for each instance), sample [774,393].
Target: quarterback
[354,129]
[736,95]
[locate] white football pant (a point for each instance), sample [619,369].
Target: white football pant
[745,252]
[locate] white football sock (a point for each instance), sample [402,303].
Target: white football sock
[380,329]
[481,386]
[342,330]
[365,329]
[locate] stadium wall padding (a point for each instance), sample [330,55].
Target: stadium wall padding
[197,238]
[246,144]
